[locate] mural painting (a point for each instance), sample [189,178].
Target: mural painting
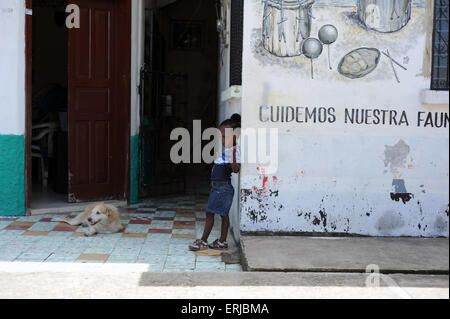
[358,151]
[290,29]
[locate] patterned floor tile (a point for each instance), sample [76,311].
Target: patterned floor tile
[66,258]
[152,259]
[183,251]
[190,220]
[4,224]
[155,268]
[209,259]
[130,242]
[23,223]
[183,226]
[185,236]
[180,243]
[122,259]
[9,256]
[135,251]
[184,232]
[146,210]
[8,218]
[32,257]
[11,232]
[35,233]
[28,219]
[156,233]
[137,228]
[67,228]
[163,244]
[179,270]
[137,221]
[127,209]
[93,257]
[134,235]
[13,227]
[97,250]
[43,226]
[62,234]
[170,214]
[161,251]
[160,231]
[210,266]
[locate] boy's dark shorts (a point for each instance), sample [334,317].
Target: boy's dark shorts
[220,198]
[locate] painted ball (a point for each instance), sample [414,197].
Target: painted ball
[328,34]
[312,48]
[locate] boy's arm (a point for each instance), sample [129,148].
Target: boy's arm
[235,166]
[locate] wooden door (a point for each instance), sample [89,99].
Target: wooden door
[99,74]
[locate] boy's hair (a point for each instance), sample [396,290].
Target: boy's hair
[233,122]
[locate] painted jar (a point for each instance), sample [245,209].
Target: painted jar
[384,15]
[286,23]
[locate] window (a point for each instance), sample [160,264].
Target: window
[236,41]
[439,78]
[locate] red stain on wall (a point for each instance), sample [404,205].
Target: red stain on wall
[265,179]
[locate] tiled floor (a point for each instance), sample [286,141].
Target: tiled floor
[155,233]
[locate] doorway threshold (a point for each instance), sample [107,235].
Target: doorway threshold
[70,208]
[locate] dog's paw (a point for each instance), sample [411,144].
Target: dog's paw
[89,234]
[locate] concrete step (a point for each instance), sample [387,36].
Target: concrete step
[348,255]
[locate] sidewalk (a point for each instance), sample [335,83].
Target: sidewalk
[346,255]
[156,235]
[111,284]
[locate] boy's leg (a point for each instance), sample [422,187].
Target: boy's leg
[225,225]
[209,224]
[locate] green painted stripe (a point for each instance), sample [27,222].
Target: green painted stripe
[12,175]
[135,164]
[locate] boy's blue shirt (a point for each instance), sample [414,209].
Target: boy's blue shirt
[222,169]
[227,156]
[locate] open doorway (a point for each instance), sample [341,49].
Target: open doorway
[78,119]
[49,131]
[180,86]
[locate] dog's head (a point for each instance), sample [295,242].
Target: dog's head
[99,214]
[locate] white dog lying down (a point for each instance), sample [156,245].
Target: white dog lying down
[99,217]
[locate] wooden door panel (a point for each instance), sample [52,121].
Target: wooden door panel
[101,151]
[82,154]
[79,48]
[102,45]
[92,101]
[96,124]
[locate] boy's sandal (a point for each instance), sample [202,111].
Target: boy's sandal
[198,245]
[219,245]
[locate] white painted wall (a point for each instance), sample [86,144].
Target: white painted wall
[333,177]
[12,67]
[228,105]
[137,60]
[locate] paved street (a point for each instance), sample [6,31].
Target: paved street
[99,282]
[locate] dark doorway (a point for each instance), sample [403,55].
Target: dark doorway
[180,86]
[47,126]
[78,118]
